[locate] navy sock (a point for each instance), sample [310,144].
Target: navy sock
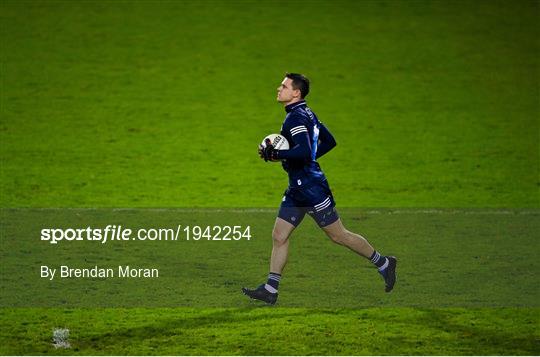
[273,282]
[379,260]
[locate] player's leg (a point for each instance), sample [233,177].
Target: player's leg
[268,292]
[325,214]
[355,242]
[280,245]
[289,217]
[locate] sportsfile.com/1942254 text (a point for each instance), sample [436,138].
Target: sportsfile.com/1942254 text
[120,233]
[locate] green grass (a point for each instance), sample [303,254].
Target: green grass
[113,104]
[274,331]
[162,104]
[461,288]
[487,273]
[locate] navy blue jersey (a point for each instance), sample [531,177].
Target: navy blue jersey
[309,139]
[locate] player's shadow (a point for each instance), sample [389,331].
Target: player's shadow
[184,322]
[441,330]
[470,337]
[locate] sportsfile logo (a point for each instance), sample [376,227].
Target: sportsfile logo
[109,233]
[120,233]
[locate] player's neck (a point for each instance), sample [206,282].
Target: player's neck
[295,100]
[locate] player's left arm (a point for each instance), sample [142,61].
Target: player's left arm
[295,126]
[326,141]
[302,144]
[301,148]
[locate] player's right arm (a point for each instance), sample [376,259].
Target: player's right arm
[326,141]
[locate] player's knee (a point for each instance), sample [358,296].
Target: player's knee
[279,237]
[338,237]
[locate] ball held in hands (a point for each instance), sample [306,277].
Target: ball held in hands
[271,144]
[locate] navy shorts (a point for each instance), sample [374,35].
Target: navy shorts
[315,200]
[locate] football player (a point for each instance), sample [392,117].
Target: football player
[308,191]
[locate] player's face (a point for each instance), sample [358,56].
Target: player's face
[286,94]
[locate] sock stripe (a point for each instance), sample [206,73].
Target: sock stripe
[375,258]
[384,265]
[272,284]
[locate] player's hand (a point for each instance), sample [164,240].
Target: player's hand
[268,153]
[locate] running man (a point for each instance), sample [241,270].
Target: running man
[308,190]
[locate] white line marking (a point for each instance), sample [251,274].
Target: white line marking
[449,211]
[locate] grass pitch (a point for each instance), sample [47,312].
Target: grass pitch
[122,104]
[274,331]
[161,104]
[210,273]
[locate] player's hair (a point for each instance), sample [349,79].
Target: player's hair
[299,81]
